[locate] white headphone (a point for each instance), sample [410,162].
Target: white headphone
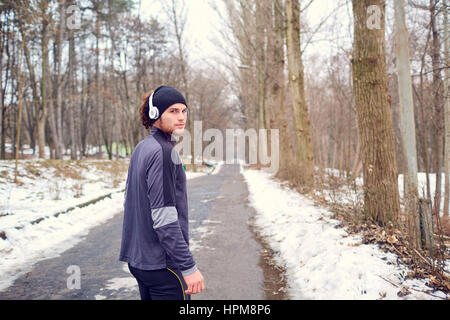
[153,111]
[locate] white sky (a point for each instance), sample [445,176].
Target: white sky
[204,22]
[201,29]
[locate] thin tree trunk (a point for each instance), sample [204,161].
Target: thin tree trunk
[97,80]
[261,20]
[407,123]
[438,137]
[72,92]
[5,46]
[179,29]
[446,110]
[34,109]
[423,136]
[41,115]
[55,119]
[19,120]
[106,119]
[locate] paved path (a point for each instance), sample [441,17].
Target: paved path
[229,256]
[224,247]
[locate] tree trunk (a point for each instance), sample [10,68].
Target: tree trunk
[5,47]
[438,136]
[280,109]
[34,109]
[381,198]
[446,111]
[72,92]
[106,118]
[260,36]
[41,115]
[423,133]
[20,100]
[179,21]
[97,106]
[407,123]
[55,117]
[304,173]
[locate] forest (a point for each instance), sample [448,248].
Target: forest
[361,90]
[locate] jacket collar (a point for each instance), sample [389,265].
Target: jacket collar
[155,131]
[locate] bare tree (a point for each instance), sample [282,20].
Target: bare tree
[71,102]
[438,120]
[19,79]
[446,109]
[41,115]
[408,132]
[6,31]
[55,107]
[177,13]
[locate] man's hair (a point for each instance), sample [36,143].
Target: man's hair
[143,111]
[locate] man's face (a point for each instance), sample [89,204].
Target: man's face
[173,120]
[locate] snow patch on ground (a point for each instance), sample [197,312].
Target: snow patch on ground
[321,260]
[51,237]
[26,242]
[205,229]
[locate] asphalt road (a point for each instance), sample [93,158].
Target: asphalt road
[234,262]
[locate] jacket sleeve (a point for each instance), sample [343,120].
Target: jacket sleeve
[161,193]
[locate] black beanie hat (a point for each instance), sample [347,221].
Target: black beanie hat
[162,98]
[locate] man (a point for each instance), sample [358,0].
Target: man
[155,236]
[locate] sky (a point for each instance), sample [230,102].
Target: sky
[204,23]
[202,26]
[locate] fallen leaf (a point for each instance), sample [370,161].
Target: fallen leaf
[403,292]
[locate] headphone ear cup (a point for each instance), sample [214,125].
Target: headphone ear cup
[153,112]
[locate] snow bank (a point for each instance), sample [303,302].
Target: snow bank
[51,237]
[35,199]
[321,260]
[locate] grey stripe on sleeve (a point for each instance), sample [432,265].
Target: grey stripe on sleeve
[163,216]
[189,271]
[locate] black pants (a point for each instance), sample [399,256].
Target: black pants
[163,284]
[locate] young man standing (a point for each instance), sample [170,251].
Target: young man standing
[155,236]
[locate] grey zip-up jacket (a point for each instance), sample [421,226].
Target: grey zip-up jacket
[155,233]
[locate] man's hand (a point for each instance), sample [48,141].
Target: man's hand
[194,282]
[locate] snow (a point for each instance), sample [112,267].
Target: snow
[422,187]
[127,283]
[321,260]
[45,189]
[206,228]
[354,196]
[41,197]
